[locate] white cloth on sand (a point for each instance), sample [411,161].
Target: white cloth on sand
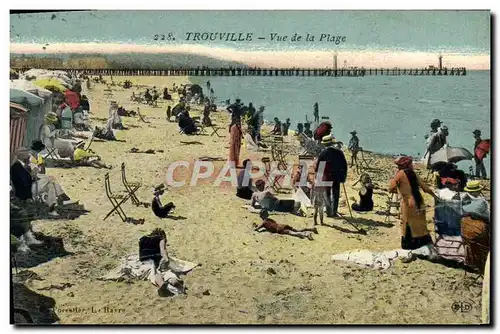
[251,145]
[383,260]
[131,268]
[300,196]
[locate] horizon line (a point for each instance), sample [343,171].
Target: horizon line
[369,58]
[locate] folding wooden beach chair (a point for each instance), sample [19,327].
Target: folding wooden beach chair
[215,130]
[117,200]
[53,157]
[108,92]
[392,202]
[131,187]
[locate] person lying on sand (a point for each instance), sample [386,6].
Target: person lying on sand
[268,201]
[154,247]
[244,189]
[87,157]
[123,112]
[270,225]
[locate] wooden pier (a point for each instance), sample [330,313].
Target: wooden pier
[268,72]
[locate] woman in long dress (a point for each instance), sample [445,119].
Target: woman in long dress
[414,233]
[235,142]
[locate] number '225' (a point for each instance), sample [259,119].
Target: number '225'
[161,37]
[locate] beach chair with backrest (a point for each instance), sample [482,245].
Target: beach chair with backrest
[448,239]
[131,187]
[215,130]
[117,200]
[392,202]
[310,146]
[108,92]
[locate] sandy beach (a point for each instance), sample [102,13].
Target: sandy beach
[244,277]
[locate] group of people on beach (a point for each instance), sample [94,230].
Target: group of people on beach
[406,182]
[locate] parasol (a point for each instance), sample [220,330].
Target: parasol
[51,84]
[451,155]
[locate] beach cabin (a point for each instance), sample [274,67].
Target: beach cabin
[37,100]
[18,122]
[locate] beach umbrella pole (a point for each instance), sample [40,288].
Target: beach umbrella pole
[347,200]
[350,212]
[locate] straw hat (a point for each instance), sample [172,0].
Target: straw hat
[473,186]
[327,140]
[51,117]
[353,132]
[23,153]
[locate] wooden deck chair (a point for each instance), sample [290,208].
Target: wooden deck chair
[57,160]
[392,202]
[215,130]
[117,200]
[108,92]
[131,187]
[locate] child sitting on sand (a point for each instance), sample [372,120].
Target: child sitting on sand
[365,195]
[272,226]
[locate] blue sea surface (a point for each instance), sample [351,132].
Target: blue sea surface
[391,114]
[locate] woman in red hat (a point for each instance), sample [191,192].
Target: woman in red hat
[414,233]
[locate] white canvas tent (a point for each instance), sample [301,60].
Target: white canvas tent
[30,87]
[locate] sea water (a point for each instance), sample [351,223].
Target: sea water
[391,114]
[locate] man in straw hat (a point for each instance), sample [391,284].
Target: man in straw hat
[474,188]
[29,184]
[331,166]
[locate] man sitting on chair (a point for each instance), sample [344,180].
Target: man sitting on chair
[28,184]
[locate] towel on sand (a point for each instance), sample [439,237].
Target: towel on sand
[384,260]
[131,268]
[251,145]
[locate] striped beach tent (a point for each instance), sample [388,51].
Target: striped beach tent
[18,123]
[37,111]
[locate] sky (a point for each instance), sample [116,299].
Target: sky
[372,38]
